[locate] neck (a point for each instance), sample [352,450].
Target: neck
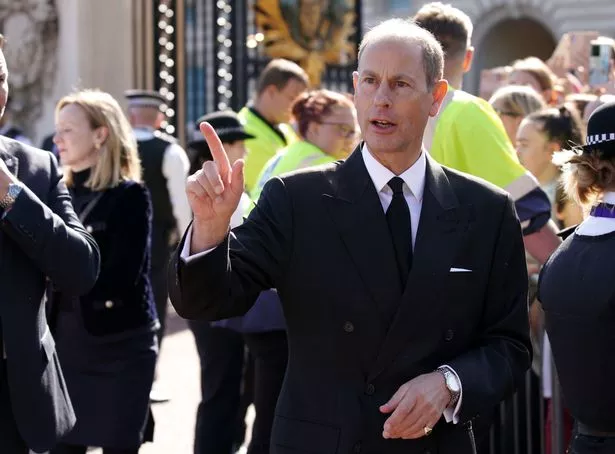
[261,107]
[80,167]
[549,174]
[397,162]
[454,77]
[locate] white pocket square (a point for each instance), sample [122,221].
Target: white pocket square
[460,270]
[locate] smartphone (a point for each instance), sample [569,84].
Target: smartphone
[600,62]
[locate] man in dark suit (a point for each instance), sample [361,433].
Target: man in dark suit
[40,239]
[403,282]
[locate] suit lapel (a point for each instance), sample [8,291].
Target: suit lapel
[442,228]
[357,213]
[9,159]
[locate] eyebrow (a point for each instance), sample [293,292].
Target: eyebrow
[368,72]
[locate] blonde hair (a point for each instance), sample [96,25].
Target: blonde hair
[518,99]
[586,176]
[118,156]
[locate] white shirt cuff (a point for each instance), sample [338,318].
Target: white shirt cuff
[185,253]
[452,414]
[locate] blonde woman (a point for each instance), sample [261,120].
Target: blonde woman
[106,339]
[513,103]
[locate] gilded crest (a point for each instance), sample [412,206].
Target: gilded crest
[314,33]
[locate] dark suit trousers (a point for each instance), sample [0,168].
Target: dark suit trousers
[270,352]
[583,444]
[10,439]
[160,261]
[220,415]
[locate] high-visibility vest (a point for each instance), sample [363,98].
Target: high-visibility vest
[265,144]
[294,157]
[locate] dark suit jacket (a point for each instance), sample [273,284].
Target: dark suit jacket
[320,237]
[121,224]
[40,237]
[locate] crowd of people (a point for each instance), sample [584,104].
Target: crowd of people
[356,266]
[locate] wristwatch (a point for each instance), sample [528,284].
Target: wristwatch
[452,384]
[8,200]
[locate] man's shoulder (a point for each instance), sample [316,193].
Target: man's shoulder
[471,187]
[470,106]
[163,136]
[25,153]
[320,172]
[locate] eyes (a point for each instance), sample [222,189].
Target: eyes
[397,83]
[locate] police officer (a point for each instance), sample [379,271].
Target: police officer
[165,169]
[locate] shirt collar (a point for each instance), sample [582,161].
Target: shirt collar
[143,132]
[414,177]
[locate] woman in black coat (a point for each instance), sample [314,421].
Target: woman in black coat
[106,339]
[577,291]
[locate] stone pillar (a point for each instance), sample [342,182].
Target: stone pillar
[95,50]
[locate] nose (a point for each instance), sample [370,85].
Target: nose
[382,97]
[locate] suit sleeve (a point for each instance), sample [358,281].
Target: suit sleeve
[497,365]
[52,236]
[254,256]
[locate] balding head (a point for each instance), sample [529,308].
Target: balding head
[406,31]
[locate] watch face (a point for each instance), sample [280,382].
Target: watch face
[451,383]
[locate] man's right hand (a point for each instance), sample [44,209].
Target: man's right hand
[214,193]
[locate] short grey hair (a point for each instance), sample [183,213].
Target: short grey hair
[408,31]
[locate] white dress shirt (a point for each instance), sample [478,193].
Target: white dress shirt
[413,188]
[175,168]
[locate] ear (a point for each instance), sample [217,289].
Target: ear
[312,129]
[355,80]
[553,147]
[100,135]
[468,59]
[438,92]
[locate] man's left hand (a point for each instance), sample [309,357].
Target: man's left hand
[417,404]
[6,178]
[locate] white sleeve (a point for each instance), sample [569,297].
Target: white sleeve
[175,168]
[452,414]
[236,219]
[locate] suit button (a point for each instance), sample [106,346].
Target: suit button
[448,336]
[370,389]
[356,449]
[109,304]
[348,327]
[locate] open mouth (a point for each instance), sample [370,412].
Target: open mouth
[382,124]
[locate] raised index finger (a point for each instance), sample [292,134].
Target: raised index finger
[217,151]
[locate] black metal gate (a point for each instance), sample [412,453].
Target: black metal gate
[223,56]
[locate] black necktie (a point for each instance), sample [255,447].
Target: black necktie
[398,218]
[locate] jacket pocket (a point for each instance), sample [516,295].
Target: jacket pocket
[301,436]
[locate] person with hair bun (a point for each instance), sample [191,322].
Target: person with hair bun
[327,124]
[543,133]
[576,289]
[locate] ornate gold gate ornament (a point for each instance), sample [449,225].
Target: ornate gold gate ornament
[314,33]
